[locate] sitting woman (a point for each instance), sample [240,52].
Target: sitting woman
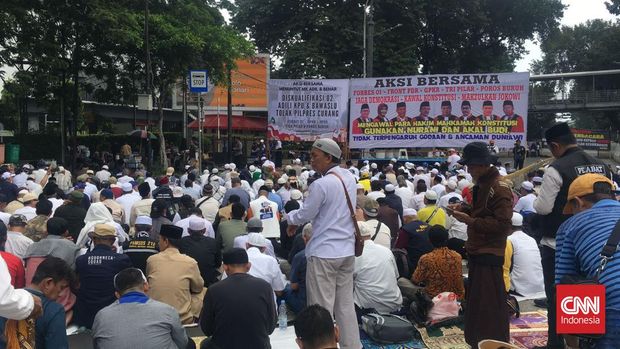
[440,270]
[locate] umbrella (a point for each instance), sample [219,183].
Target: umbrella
[141,134]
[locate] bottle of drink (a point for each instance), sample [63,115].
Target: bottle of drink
[282,317]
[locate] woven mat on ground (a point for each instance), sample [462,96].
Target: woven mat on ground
[368,343]
[529,330]
[448,337]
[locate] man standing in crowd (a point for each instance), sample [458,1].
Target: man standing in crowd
[267,211]
[330,252]
[237,190]
[208,204]
[238,312]
[526,276]
[570,162]
[30,203]
[175,278]
[35,229]
[141,207]
[518,154]
[135,320]
[488,224]
[579,240]
[96,270]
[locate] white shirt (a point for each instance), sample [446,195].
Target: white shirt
[103,175]
[267,211]
[265,267]
[14,304]
[425,177]
[34,188]
[327,209]
[405,195]
[417,202]
[17,244]
[209,208]
[384,236]
[374,279]
[39,174]
[551,184]
[241,241]
[456,229]
[374,195]
[4,217]
[90,190]
[56,203]
[453,160]
[444,200]
[440,189]
[257,184]
[285,194]
[20,180]
[184,223]
[127,201]
[526,276]
[28,211]
[526,203]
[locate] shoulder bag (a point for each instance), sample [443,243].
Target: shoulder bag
[359,243]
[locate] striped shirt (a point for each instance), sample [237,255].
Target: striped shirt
[579,242]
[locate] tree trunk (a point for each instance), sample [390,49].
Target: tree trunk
[162,140]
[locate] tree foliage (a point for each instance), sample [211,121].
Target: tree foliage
[323,38]
[594,45]
[97,47]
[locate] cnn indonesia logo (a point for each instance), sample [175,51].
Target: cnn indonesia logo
[580,309]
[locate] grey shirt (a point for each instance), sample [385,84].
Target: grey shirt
[137,326]
[56,246]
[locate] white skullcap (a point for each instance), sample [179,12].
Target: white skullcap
[408,212]
[196,223]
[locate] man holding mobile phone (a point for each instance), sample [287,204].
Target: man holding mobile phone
[488,225]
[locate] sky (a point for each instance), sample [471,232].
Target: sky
[577,11]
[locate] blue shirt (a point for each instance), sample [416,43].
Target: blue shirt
[277,199]
[579,242]
[50,330]
[96,270]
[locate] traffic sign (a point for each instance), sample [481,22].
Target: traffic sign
[198,81]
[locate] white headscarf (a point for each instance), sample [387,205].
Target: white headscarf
[98,214]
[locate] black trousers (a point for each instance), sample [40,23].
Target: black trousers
[547,255]
[518,164]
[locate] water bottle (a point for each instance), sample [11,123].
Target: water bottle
[282,317]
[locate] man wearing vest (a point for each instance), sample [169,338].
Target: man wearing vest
[570,162]
[267,211]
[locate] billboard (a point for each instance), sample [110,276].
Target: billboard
[593,139]
[438,110]
[249,88]
[304,110]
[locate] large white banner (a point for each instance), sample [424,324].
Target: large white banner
[438,110]
[304,110]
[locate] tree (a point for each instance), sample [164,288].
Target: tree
[322,38]
[64,49]
[594,45]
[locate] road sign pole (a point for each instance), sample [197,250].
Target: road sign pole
[200,131]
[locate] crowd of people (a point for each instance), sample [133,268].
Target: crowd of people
[130,258]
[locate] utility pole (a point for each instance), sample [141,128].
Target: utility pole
[229,140]
[200,132]
[148,79]
[371,45]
